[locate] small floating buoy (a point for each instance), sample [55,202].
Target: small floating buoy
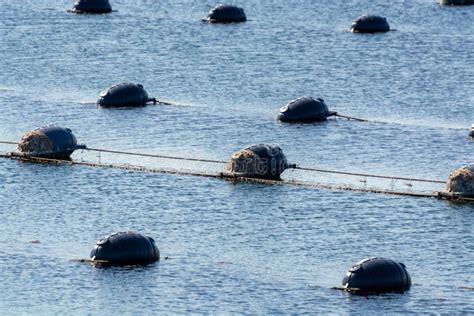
[471,133]
[462,181]
[304,110]
[370,24]
[124,95]
[48,142]
[258,161]
[225,13]
[125,248]
[377,275]
[92,6]
[456,2]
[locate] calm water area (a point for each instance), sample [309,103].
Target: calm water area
[236,247]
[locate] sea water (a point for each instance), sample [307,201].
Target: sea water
[236,248]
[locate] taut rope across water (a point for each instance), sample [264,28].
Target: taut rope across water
[222,175]
[368,175]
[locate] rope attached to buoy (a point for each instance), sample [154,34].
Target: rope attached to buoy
[153,155]
[291,166]
[221,175]
[156,101]
[8,142]
[367,175]
[353,118]
[91,261]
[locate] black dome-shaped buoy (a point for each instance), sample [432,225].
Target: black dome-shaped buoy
[304,110]
[258,161]
[226,13]
[370,24]
[92,6]
[48,142]
[125,248]
[456,2]
[462,181]
[377,275]
[471,132]
[124,95]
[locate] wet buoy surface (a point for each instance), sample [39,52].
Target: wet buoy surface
[225,13]
[258,161]
[471,132]
[124,95]
[304,110]
[377,275]
[92,6]
[462,181]
[456,2]
[370,24]
[48,142]
[126,248]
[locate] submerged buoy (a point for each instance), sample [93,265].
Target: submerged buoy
[226,13]
[92,6]
[258,161]
[125,248]
[48,142]
[304,110]
[370,24]
[124,95]
[462,181]
[377,275]
[456,2]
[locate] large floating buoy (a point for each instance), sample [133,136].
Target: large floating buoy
[462,181]
[124,95]
[456,2]
[48,142]
[370,24]
[226,13]
[377,275]
[258,161]
[92,6]
[304,109]
[125,248]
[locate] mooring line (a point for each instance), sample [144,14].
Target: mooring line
[155,101]
[368,175]
[8,142]
[439,195]
[335,114]
[103,165]
[354,118]
[153,155]
[395,123]
[291,166]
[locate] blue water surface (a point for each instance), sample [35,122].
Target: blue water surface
[236,248]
